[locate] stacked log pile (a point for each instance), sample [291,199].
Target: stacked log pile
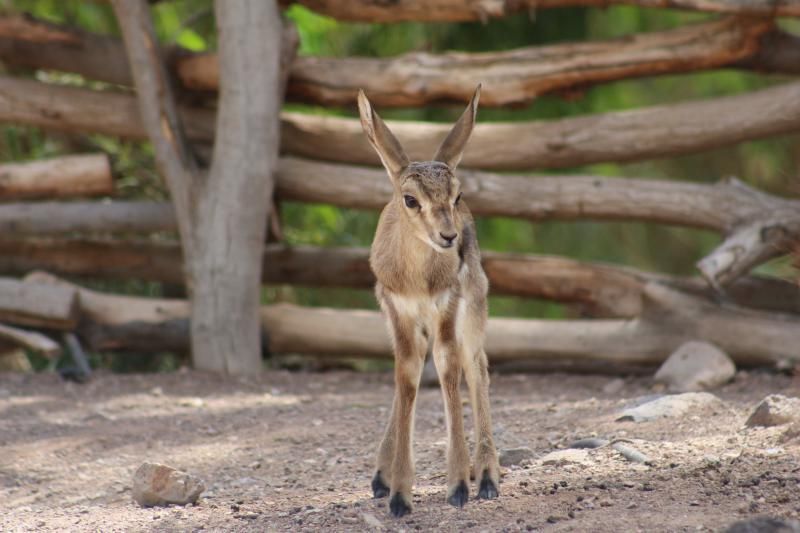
[638,317]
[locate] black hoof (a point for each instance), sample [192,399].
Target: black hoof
[398,506]
[379,488]
[487,490]
[459,496]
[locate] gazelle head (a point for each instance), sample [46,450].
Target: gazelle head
[427,194]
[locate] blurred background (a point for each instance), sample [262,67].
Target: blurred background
[770,165]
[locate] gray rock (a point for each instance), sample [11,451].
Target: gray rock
[670,406]
[156,484]
[765,524]
[568,456]
[775,410]
[514,456]
[696,366]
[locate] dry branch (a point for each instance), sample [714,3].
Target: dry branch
[66,176]
[36,305]
[671,318]
[657,131]
[464,10]
[604,290]
[509,77]
[729,207]
[30,339]
[26,28]
[54,218]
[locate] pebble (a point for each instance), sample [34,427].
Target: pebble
[696,366]
[514,456]
[775,410]
[157,484]
[670,406]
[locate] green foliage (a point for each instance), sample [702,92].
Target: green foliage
[769,164]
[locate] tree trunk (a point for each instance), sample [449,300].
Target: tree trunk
[66,176]
[234,203]
[221,216]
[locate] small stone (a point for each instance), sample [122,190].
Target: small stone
[696,366]
[157,484]
[669,406]
[372,521]
[775,410]
[765,524]
[514,456]
[563,457]
[191,402]
[614,386]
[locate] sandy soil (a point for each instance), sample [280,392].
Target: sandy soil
[294,451]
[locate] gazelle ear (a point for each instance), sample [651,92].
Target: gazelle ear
[452,148]
[382,139]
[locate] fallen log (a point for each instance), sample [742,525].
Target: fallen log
[757,225]
[31,340]
[514,76]
[509,77]
[66,176]
[26,28]
[56,218]
[465,10]
[657,131]
[603,290]
[38,305]
[671,318]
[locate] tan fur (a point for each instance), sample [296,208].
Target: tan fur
[432,290]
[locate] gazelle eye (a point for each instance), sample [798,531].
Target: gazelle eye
[458,199]
[410,201]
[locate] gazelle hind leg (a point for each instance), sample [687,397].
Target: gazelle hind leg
[486,465]
[448,364]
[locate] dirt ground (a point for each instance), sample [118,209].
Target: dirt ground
[294,452]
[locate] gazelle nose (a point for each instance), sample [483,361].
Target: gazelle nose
[449,238]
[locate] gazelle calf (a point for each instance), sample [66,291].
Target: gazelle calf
[431,286]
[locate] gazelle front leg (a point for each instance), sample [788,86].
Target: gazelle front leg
[394,475]
[447,356]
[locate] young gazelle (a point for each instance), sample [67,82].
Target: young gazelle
[431,286]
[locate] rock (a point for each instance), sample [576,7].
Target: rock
[775,410]
[561,457]
[156,484]
[669,406]
[514,456]
[372,521]
[696,366]
[765,524]
[614,386]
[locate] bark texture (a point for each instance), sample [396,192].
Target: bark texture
[221,216]
[66,176]
[37,305]
[57,218]
[236,198]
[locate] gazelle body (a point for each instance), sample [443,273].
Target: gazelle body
[432,289]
